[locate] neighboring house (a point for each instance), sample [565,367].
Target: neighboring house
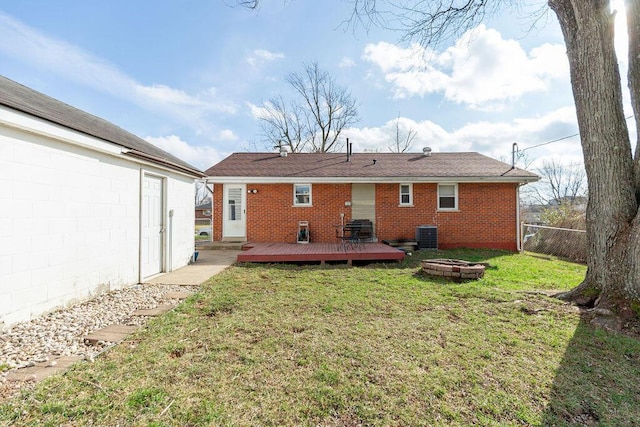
[203,211]
[473,200]
[85,206]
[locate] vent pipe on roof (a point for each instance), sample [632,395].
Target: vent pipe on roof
[514,150]
[426,151]
[348,151]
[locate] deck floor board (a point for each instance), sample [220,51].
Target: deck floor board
[319,252]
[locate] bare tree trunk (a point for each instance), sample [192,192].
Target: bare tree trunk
[612,280]
[633,28]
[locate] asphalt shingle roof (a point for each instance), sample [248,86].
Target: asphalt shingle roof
[22,98]
[367,165]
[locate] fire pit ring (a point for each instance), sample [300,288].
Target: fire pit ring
[453,268]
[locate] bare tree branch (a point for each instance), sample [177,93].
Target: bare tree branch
[313,122]
[563,184]
[403,142]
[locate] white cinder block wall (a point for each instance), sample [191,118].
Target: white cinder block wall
[181,199]
[70,221]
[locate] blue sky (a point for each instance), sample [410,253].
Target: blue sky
[190,76]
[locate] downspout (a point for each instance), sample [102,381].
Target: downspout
[170,254]
[140,184]
[518,240]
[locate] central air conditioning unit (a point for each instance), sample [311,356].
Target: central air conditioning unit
[427,236]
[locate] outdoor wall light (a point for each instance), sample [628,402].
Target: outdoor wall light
[254,191]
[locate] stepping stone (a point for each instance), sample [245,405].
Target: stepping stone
[43,370]
[112,333]
[177,295]
[161,309]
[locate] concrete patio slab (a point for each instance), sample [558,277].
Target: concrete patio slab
[210,263]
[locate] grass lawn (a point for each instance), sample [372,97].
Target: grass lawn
[374,345]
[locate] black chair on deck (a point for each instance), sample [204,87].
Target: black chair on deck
[354,233]
[365,229]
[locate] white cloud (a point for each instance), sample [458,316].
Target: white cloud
[481,70]
[346,62]
[20,41]
[493,139]
[261,56]
[256,110]
[227,135]
[202,157]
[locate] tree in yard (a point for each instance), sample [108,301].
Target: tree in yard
[315,119]
[402,142]
[612,282]
[202,193]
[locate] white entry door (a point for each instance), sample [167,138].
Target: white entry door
[151,253]
[234,215]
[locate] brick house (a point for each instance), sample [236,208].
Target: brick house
[203,210]
[473,200]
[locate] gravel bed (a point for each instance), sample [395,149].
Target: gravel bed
[61,333]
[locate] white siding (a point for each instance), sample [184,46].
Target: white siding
[69,222]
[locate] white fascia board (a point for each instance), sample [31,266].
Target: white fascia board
[24,122]
[373,180]
[27,123]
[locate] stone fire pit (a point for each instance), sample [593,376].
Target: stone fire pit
[453,268]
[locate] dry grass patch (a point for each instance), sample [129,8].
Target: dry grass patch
[375,345]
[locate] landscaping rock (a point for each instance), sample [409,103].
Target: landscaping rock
[60,333]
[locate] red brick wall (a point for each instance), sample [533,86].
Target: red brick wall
[216,206]
[486,216]
[272,216]
[201,215]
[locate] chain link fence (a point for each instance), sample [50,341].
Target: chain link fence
[566,243]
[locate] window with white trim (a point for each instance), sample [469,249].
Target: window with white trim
[302,194]
[447,197]
[406,194]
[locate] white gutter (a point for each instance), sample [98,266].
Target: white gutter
[368,180]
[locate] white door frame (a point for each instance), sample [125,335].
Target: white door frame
[161,267]
[234,228]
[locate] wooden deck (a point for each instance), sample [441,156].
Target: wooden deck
[319,252]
